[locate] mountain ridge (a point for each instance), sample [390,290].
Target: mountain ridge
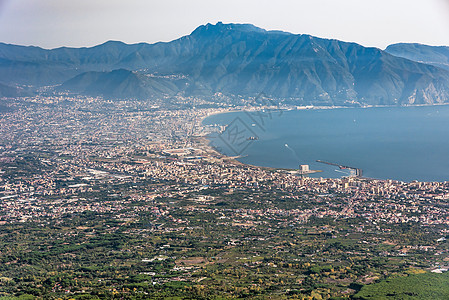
[236,60]
[434,55]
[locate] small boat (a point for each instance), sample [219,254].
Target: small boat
[252,138]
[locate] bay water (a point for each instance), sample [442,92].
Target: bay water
[400,143]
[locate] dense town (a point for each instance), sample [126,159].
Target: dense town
[191,219]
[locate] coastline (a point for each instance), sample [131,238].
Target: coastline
[206,142]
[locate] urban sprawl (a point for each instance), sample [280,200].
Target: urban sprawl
[152,166]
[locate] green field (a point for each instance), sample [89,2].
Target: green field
[415,286]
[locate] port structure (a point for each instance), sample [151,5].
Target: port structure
[354,172]
[302,172]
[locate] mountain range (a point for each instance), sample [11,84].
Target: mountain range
[236,60]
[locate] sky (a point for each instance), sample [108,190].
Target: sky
[84,23]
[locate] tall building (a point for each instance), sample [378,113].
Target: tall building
[304,168]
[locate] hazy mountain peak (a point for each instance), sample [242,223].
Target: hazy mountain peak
[434,55]
[111,44]
[221,27]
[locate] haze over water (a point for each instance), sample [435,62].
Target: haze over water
[401,143]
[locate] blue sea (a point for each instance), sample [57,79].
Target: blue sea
[400,143]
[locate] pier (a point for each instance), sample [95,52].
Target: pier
[355,172]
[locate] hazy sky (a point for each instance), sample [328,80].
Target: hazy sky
[55,23]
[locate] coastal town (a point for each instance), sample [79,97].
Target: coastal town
[60,153]
[148,171]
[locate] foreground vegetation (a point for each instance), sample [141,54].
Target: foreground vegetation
[237,244]
[413,286]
